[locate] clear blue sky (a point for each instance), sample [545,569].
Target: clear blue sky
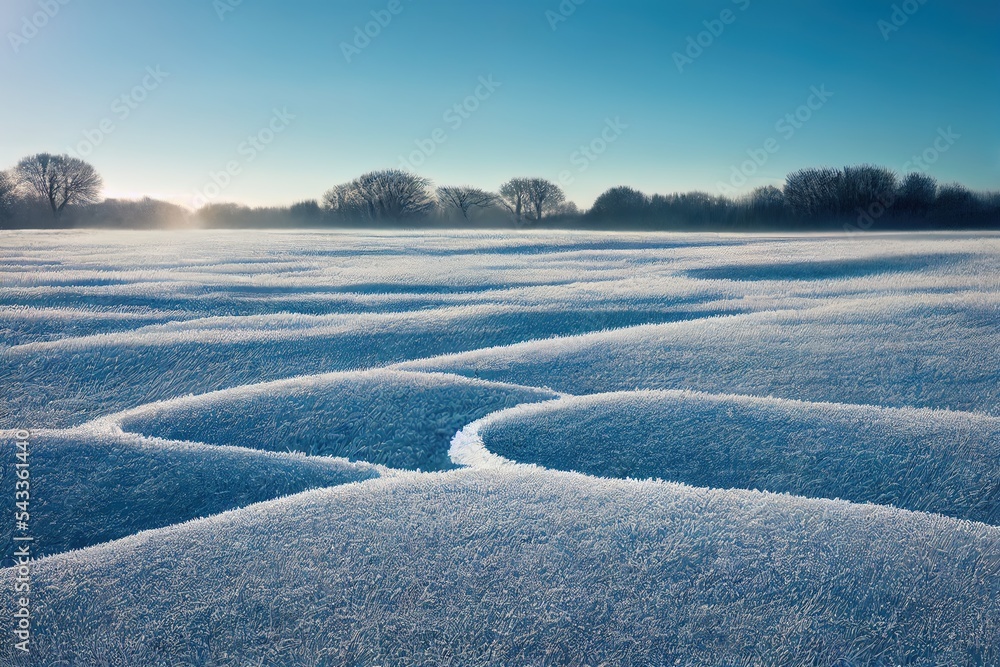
[610,59]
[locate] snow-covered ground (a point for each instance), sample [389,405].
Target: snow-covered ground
[664,449]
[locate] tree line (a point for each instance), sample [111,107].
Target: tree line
[62,191]
[857,198]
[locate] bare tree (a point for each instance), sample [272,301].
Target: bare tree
[955,201]
[465,198]
[544,196]
[567,208]
[917,194]
[390,195]
[861,186]
[764,205]
[532,196]
[306,211]
[514,196]
[8,190]
[60,180]
[346,202]
[620,203]
[766,197]
[813,193]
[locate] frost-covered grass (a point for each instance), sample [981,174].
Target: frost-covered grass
[943,462]
[66,382]
[530,567]
[400,420]
[20,325]
[90,487]
[928,351]
[171,377]
[264,307]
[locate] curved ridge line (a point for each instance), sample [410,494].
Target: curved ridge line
[316,326]
[540,343]
[751,399]
[468,449]
[112,424]
[98,428]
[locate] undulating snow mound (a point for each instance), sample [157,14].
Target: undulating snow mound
[89,487]
[529,567]
[830,269]
[506,564]
[20,325]
[252,308]
[400,420]
[922,460]
[70,381]
[930,351]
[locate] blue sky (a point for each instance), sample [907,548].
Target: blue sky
[603,74]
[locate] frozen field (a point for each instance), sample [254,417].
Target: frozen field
[305,449]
